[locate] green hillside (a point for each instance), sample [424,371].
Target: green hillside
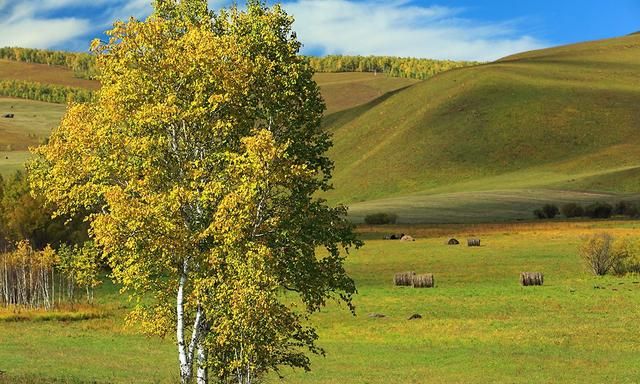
[34,120]
[564,119]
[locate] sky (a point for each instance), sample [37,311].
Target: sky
[445,29]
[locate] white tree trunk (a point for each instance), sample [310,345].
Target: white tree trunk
[183,356]
[202,374]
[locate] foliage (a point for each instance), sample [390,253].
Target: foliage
[380,218]
[414,68]
[44,279]
[81,265]
[598,210]
[571,210]
[49,93]
[201,157]
[626,208]
[602,253]
[550,210]
[27,217]
[82,64]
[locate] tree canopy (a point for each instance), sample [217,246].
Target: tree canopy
[200,159]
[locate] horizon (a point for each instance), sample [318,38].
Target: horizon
[446,30]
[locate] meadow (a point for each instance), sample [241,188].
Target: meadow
[477,324]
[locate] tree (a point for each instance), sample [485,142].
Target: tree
[201,158]
[550,210]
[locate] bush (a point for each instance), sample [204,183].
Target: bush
[597,251]
[572,210]
[599,210]
[539,213]
[626,258]
[626,209]
[381,218]
[550,210]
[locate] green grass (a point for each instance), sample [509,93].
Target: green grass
[567,113]
[478,323]
[342,91]
[32,122]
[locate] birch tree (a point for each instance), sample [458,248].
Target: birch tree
[202,156]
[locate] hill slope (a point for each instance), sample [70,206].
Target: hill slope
[561,119]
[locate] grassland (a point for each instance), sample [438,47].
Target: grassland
[478,323]
[32,122]
[42,73]
[565,119]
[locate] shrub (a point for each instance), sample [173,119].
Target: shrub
[599,210]
[550,210]
[572,210]
[626,208]
[381,218]
[602,253]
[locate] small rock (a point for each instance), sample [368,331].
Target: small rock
[376,315]
[415,316]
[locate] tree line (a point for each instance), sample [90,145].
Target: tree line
[49,93]
[408,67]
[82,64]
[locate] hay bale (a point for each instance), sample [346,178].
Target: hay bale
[531,278]
[453,242]
[473,242]
[407,238]
[403,279]
[424,281]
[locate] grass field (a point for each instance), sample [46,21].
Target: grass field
[478,324]
[32,122]
[342,91]
[42,73]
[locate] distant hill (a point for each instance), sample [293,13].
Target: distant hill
[562,122]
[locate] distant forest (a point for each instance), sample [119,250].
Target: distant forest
[83,64]
[391,66]
[49,93]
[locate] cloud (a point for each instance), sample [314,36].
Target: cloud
[355,27]
[398,28]
[22,26]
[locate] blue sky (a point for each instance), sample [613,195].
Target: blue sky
[453,29]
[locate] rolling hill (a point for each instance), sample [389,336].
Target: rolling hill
[482,143]
[493,141]
[34,120]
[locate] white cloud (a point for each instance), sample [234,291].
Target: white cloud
[398,28]
[373,27]
[21,25]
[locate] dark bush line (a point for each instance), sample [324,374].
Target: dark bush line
[381,218]
[598,210]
